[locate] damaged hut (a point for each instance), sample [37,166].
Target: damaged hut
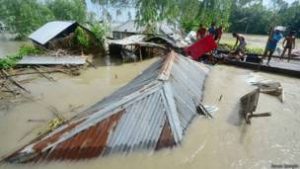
[169,34]
[60,35]
[135,47]
[150,113]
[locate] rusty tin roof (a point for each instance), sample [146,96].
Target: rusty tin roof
[151,112]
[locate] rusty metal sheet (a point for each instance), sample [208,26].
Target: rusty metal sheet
[166,139]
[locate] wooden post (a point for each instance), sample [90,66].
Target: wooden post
[141,58]
[249,103]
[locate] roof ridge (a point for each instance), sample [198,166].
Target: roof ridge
[165,71]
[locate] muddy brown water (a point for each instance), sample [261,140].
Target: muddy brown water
[222,142]
[8,47]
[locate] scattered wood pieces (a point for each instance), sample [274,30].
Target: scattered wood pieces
[37,120]
[43,74]
[271,88]
[249,104]
[220,98]
[261,115]
[203,111]
[13,81]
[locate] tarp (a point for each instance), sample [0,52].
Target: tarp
[201,47]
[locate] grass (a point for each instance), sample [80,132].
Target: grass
[229,44]
[11,60]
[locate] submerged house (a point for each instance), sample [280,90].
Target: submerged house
[152,112]
[167,32]
[56,34]
[135,47]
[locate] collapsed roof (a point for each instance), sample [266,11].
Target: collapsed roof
[52,30]
[169,32]
[151,112]
[134,40]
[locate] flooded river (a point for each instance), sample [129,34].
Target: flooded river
[220,143]
[8,47]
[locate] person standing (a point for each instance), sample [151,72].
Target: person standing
[240,45]
[201,33]
[212,29]
[288,44]
[219,32]
[272,44]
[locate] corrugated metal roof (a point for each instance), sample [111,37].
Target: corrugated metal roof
[129,27]
[169,32]
[49,31]
[134,40]
[128,40]
[151,112]
[52,60]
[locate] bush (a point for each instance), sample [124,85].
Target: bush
[11,60]
[82,37]
[29,50]
[99,31]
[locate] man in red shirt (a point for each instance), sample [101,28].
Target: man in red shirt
[201,33]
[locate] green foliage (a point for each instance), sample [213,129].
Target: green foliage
[194,12]
[68,9]
[215,11]
[29,50]
[150,12]
[82,38]
[99,30]
[252,17]
[189,13]
[11,60]
[255,50]
[228,46]
[22,17]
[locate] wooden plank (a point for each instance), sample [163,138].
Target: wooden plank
[249,104]
[278,68]
[42,74]
[13,81]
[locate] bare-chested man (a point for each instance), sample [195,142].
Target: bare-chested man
[288,44]
[240,46]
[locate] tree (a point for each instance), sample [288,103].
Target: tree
[250,16]
[23,16]
[68,9]
[187,12]
[215,11]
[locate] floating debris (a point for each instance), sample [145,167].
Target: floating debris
[52,60]
[249,104]
[271,88]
